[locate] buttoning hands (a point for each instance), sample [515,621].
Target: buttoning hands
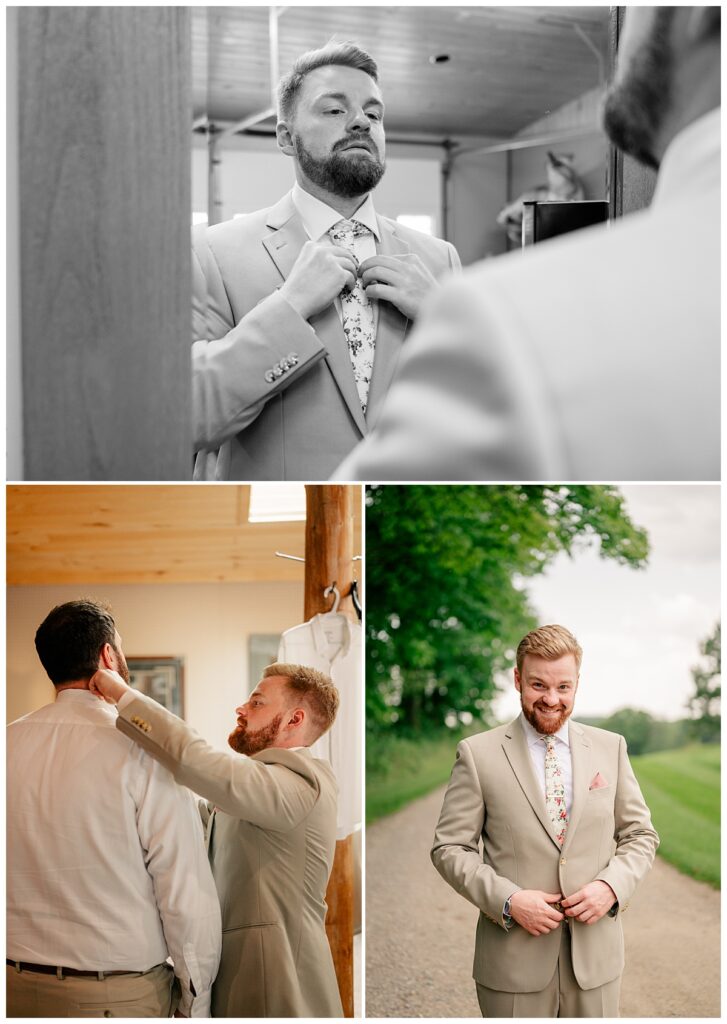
[532,910]
[590,903]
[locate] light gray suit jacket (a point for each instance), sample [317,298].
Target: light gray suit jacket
[493,796]
[271,840]
[274,396]
[595,356]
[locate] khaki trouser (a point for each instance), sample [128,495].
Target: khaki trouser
[562,997]
[32,994]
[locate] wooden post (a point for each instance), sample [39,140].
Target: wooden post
[328,559]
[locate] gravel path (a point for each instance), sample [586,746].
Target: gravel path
[420,933]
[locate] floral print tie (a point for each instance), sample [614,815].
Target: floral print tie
[555,790]
[358,313]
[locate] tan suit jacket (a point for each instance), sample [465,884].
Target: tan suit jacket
[493,795]
[273,392]
[271,841]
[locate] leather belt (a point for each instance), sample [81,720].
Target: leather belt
[62,971]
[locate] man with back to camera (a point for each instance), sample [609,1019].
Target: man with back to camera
[107,873]
[594,356]
[271,835]
[303,308]
[566,839]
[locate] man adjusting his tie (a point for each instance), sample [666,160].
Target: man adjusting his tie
[301,310]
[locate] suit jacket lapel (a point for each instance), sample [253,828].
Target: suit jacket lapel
[283,246]
[390,330]
[517,753]
[580,754]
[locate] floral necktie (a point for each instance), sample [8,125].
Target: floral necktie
[358,313]
[555,790]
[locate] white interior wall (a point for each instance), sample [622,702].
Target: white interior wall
[478,191]
[207,625]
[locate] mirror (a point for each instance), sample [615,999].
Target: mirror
[476,99]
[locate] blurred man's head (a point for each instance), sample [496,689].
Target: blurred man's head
[75,640]
[667,75]
[548,665]
[291,706]
[330,120]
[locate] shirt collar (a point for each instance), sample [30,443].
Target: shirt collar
[84,696]
[691,163]
[534,737]
[319,636]
[318,217]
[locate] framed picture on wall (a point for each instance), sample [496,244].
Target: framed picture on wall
[262,651]
[161,678]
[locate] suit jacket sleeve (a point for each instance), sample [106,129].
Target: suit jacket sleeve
[456,854]
[237,368]
[636,839]
[275,796]
[466,402]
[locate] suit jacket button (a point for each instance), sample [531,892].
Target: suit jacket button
[562,860]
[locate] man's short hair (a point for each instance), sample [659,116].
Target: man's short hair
[70,638]
[345,54]
[549,642]
[314,689]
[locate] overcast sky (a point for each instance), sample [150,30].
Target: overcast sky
[639,629]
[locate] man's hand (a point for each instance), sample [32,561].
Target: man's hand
[320,273]
[532,910]
[403,280]
[108,685]
[590,903]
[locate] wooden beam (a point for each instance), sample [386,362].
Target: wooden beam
[104,114]
[328,559]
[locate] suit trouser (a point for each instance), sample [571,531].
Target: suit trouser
[562,997]
[32,994]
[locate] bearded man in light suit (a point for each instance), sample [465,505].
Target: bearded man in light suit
[271,834]
[300,321]
[594,356]
[566,838]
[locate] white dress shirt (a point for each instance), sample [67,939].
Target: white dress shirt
[106,864]
[318,218]
[536,746]
[332,644]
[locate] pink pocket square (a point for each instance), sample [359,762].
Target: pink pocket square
[598,782]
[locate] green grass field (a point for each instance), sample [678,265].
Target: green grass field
[682,789]
[400,770]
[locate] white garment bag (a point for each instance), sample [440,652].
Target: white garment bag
[333,644]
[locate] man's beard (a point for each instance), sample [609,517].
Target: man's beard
[635,108]
[546,725]
[122,668]
[249,742]
[344,174]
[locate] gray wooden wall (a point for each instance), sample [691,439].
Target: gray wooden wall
[104,127]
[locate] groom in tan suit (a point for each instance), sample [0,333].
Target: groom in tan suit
[301,310]
[271,835]
[566,838]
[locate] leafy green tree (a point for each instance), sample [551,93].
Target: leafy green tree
[445,586]
[704,703]
[635,726]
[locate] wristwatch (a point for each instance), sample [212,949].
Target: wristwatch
[506,913]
